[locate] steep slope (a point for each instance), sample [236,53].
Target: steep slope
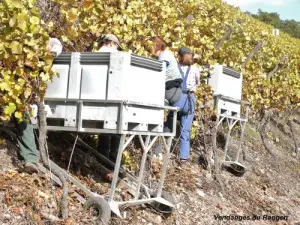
[270,187]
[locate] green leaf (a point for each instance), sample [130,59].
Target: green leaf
[31,3]
[14,3]
[4,86]
[23,21]
[12,21]
[34,20]
[18,115]
[10,108]
[45,76]
[16,47]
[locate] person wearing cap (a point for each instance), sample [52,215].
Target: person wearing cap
[109,43]
[191,79]
[173,77]
[109,145]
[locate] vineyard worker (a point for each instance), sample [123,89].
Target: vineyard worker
[109,145]
[26,138]
[191,79]
[173,77]
[109,43]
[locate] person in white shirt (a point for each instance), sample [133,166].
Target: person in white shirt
[173,77]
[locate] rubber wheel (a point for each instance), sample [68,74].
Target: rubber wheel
[203,161]
[164,209]
[236,170]
[101,209]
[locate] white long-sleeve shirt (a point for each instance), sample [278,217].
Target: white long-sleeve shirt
[193,79]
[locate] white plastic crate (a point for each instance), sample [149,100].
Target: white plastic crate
[228,83]
[227,106]
[108,76]
[92,88]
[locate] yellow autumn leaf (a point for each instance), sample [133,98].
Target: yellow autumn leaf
[34,20]
[18,115]
[12,21]
[87,4]
[16,47]
[72,15]
[45,76]
[10,108]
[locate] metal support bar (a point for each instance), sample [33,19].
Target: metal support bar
[80,116]
[74,181]
[117,169]
[107,131]
[231,124]
[128,141]
[125,103]
[220,120]
[142,142]
[143,201]
[120,119]
[147,140]
[57,180]
[174,123]
[232,121]
[243,127]
[106,160]
[165,164]
[143,162]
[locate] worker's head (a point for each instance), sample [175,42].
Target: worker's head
[159,45]
[185,56]
[110,41]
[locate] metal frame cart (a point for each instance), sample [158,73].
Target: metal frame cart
[141,193]
[232,119]
[227,86]
[113,93]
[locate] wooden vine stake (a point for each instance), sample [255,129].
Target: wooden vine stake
[268,114]
[225,37]
[254,51]
[277,67]
[43,147]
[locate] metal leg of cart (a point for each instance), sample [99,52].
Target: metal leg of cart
[232,121]
[116,125]
[146,146]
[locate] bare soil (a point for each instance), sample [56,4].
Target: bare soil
[270,187]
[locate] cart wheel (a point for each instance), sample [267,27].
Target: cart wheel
[100,210]
[236,169]
[203,161]
[164,209]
